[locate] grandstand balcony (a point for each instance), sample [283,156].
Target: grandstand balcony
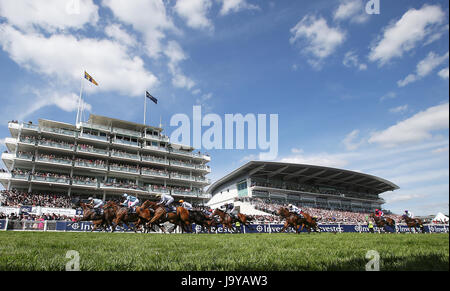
[190,193]
[93,151]
[99,127]
[84,183]
[124,169]
[125,156]
[126,143]
[153,189]
[123,187]
[53,161]
[52,145]
[154,174]
[84,136]
[18,176]
[50,180]
[156,138]
[154,160]
[178,176]
[182,165]
[90,165]
[157,149]
[203,168]
[58,131]
[127,132]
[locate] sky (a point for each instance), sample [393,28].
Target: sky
[355,90]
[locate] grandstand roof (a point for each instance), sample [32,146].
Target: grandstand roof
[310,174]
[108,121]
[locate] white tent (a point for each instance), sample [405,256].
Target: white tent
[440,218]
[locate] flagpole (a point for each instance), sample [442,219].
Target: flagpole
[79,102]
[145,106]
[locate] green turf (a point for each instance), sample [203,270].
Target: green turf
[258,252]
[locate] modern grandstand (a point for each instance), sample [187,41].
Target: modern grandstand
[303,185]
[103,157]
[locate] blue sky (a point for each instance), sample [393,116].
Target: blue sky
[364,92]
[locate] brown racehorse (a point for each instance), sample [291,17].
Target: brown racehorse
[180,218]
[227,221]
[121,215]
[145,214]
[413,222]
[310,222]
[383,223]
[291,219]
[89,214]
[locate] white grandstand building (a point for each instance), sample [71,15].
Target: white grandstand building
[103,157]
[304,185]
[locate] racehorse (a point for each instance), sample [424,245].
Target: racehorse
[413,222]
[89,214]
[310,222]
[121,215]
[145,214]
[200,218]
[227,221]
[291,219]
[382,223]
[179,218]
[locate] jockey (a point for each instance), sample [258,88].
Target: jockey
[295,209]
[186,205]
[166,200]
[409,214]
[130,201]
[379,213]
[229,208]
[97,204]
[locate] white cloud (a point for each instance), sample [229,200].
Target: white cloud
[118,33]
[149,17]
[443,73]
[65,57]
[351,60]
[414,129]
[424,67]
[399,109]
[50,15]
[194,12]
[319,39]
[349,140]
[403,35]
[229,6]
[176,54]
[65,101]
[389,95]
[321,159]
[353,10]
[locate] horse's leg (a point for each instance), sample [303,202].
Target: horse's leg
[284,227]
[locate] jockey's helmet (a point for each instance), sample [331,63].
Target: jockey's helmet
[90,198]
[125,195]
[181,201]
[290,205]
[158,195]
[406,211]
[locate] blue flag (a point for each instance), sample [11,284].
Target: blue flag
[151,97]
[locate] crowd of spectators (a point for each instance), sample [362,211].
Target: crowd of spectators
[324,215]
[34,217]
[16,198]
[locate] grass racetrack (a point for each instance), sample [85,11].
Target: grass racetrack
[222,252]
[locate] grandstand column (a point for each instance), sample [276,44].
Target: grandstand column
[104,195]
